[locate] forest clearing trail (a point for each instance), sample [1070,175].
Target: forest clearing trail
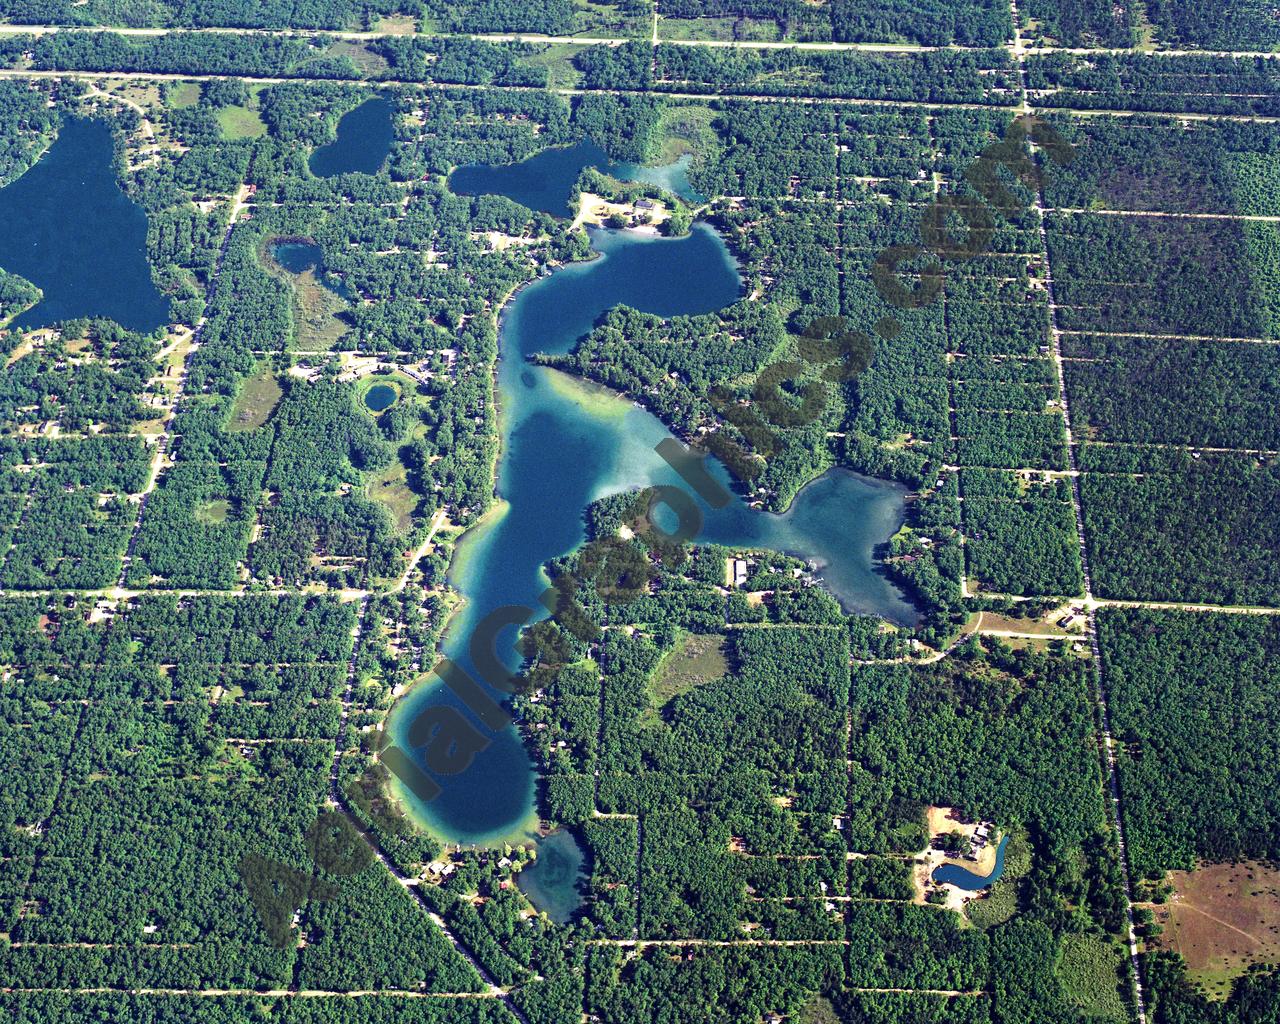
[1106,744]
[437,521]
[274,993]
[163,457]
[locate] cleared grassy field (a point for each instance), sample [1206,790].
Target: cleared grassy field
[718,29]
[818,1011]
[1090,972]
[557,58]
[391,487]
[180,95]
[1222,918]
[686,128]
[240,123]
[257,400]
[696,659]
[317,313]
[214,511]
[370,64]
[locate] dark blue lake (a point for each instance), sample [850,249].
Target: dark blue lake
[545,180]
[567,443]
[952,874]
[363,143]
[71,231]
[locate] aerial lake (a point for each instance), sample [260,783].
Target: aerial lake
[364,141]
[567,443]
[71,231]
[545,181]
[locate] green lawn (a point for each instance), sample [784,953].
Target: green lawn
[240,123]
[214,511]
[391,487]
[183,94]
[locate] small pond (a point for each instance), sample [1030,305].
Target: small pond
[962,878]
[380,397]
[300,257]
[364,141]
[554,881]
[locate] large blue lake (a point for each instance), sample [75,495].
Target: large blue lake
[70,230]
[567,443]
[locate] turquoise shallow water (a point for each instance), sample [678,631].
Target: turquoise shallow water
[67,227]
[363,142]
[566,444]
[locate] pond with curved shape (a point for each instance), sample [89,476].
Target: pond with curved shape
[554,882]
[544,181]
[963,878]
[363,142]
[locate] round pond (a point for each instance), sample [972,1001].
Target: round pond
[380,397]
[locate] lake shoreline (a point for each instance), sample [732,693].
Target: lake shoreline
[563,442]
[498,508]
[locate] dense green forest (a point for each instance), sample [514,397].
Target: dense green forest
[746,776]
[429,59]
[1194,706]
[270,14]
[215,582]
[1198,529]
[1230,25]
[1083,22]
[1210,84]
[971,23]
[955,76]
